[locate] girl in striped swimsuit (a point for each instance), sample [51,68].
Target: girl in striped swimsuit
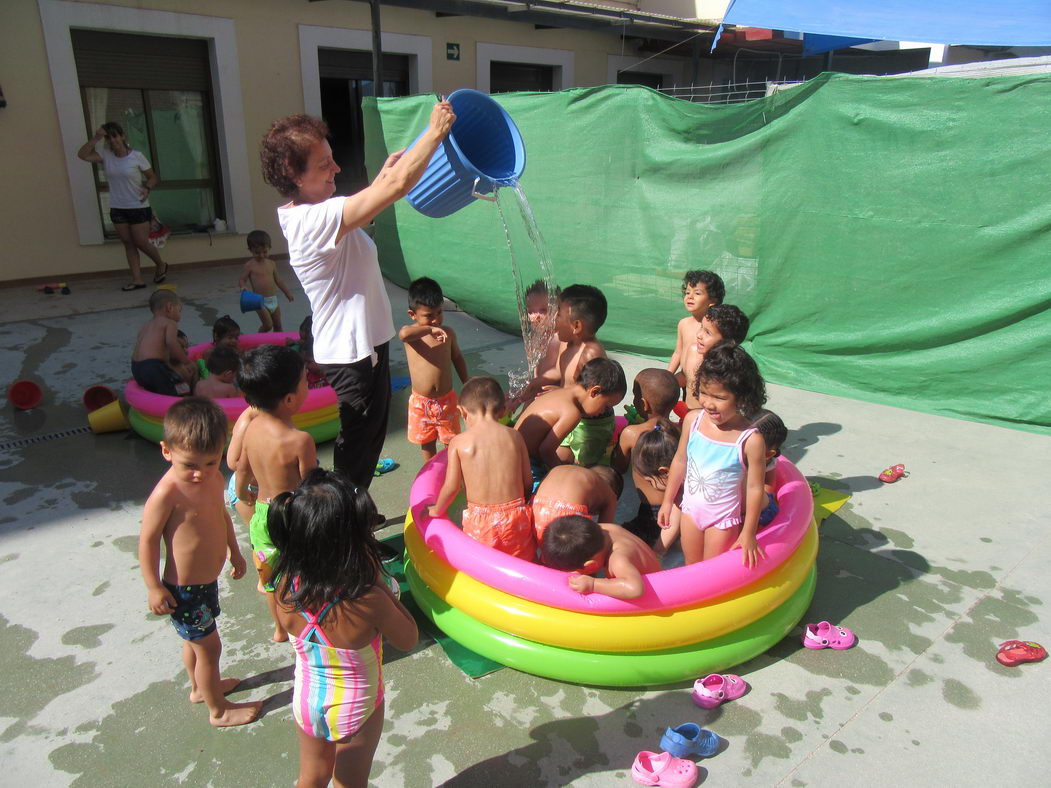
[334,601]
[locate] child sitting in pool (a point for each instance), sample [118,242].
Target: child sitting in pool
[548,420]
[579,545]
[721,323]
[651,459]
[225,331]
[273,451]
[157,349]
[432,353]
[222,365]
[574,489]
[775,433]
[260,276]
[721,459]
[700,290]
[654,394]
[491,462]
[305,347]
[187,370]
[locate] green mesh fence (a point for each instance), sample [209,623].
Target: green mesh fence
[888,237]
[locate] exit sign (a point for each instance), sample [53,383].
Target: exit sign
[452,51]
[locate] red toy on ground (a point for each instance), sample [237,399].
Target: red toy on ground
[1015,652]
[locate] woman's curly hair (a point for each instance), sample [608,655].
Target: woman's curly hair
[286,148]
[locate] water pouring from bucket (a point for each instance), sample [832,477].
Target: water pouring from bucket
[483,151]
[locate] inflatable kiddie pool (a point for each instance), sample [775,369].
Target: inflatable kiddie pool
[689,622]
[319,415]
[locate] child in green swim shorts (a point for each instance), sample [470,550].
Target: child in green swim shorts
[273,451]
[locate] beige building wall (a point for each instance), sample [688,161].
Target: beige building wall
[45,211]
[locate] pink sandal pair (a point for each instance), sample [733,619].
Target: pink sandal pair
[663,768]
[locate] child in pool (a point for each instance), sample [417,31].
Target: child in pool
[721,323]
[260,276]
[491,462]
[222,365]
[651,460]
[654,394]
[186,511]
[157,350]
[225,331]
[721,459]
[432,353]
[538,303]
[315,377]
[336,605]
[579,545]
[187,370]
[775,433]
[273,451]
[548,421]
[574,489]
[700,290]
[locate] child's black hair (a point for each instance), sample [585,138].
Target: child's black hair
[195,424]
[729,365]
[539,287]
[660,388]
[570,542]
[731,321]
[586,304]
[610,477]
[425,292]
[268,374]
[655,448]
[605,373]
[774,432]
[482,394]
[223,358]
[223,327]
[258,238]
[323,535]
[306,329]
[712,282]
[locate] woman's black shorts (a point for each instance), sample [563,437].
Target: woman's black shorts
[130,215]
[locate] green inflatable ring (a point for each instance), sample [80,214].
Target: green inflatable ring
[610,669]
[154,431]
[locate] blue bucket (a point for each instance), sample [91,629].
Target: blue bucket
[484,150]
[251,302]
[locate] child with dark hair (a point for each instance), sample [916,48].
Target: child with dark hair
[775,433]
[490,461]
[721,323]
[186,512]
[187,370]
[432,353]
[222,364]
[226,331]
[337,605]
[579,545]
[651,460]
[721,459]
[315,377]
[539,303]
[700,290]
[273,452]
[548,424]
[654,394]
[157,350]
[581,313]
[260,276]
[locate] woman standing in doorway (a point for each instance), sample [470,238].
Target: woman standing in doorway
[336,262]
[129,198]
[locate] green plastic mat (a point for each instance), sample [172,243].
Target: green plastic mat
[888,237]
[470,662]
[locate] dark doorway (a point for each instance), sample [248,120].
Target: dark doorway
[650,80]
[508,77]
[346,77]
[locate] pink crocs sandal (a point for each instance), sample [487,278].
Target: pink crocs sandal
[651,768]
[826,635]
[713,689]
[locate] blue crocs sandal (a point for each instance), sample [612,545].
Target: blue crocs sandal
[690,739]
[386,465]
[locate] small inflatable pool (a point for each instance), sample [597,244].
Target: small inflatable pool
[690,621]
[319,416]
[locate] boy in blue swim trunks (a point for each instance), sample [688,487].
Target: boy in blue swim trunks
[186,511]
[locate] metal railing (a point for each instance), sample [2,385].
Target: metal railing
[727,93]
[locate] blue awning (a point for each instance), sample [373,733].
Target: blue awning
[1015,23]
[815,43]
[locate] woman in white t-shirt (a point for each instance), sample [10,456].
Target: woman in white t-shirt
[337,264]
[130,178]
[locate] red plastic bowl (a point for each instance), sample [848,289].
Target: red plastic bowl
[24,394]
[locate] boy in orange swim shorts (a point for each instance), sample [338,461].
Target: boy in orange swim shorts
[490,460]
[432,352]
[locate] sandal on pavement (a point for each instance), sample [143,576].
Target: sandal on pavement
[1015,652]
[132,286]
[893,473]
[716,688]
[158,278]
[689,739]
[651,768]
[826,635]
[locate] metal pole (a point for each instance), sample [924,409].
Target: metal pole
[377,50]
